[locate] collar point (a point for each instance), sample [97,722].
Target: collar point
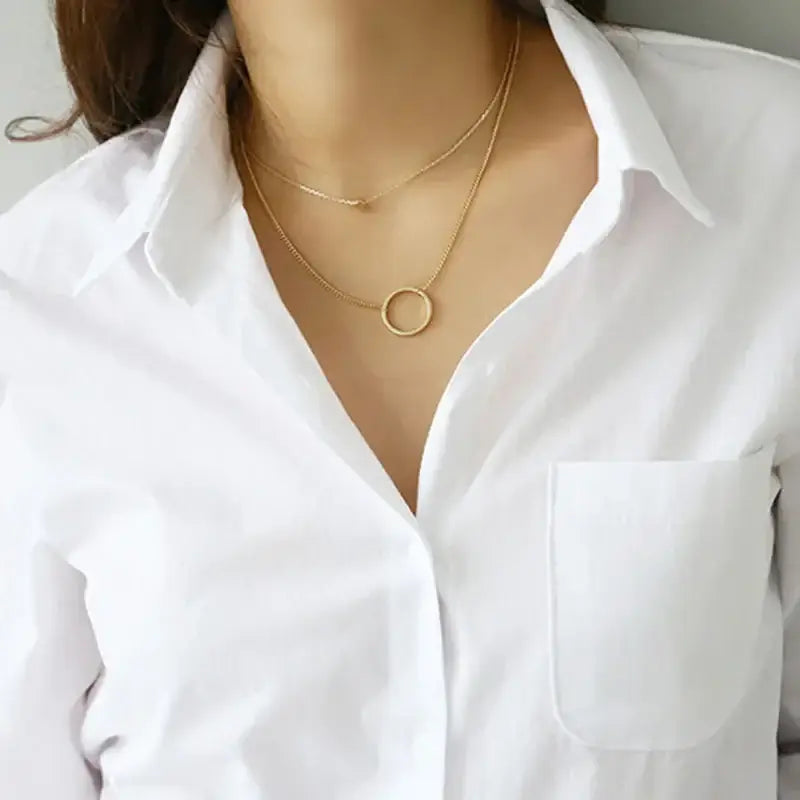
[703,215]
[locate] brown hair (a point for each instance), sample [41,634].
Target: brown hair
[128,62]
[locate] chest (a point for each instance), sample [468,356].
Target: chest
[391,386]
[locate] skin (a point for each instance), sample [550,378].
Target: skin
[351,95]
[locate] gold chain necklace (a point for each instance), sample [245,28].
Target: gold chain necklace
[363,202]
[422,291]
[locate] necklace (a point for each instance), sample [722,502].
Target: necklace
[363,202]
[420,292]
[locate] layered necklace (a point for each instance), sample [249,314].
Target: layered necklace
[420,292]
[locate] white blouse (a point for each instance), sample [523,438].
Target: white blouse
[210,589]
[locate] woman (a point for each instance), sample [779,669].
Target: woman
[487,487]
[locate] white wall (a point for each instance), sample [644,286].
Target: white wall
[31,82]
[772,25]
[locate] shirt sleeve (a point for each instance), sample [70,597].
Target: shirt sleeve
[48,655]
[788,553]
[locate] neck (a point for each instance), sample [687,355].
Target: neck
[348,93]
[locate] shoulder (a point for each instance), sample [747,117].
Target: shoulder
[53,232]
[712,62]
[736,95]
[732,117]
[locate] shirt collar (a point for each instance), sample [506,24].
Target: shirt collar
[194,180]
[629,134]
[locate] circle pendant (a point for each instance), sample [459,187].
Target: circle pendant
[387,303]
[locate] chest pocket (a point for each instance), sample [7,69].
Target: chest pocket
[658,577]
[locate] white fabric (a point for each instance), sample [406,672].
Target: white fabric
[211,590]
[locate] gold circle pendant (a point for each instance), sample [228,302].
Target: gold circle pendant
[387,303]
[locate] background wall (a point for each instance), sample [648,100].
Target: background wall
[772,25]
[31,82]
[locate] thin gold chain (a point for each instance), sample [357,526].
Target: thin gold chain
[358,301]
[370,199]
